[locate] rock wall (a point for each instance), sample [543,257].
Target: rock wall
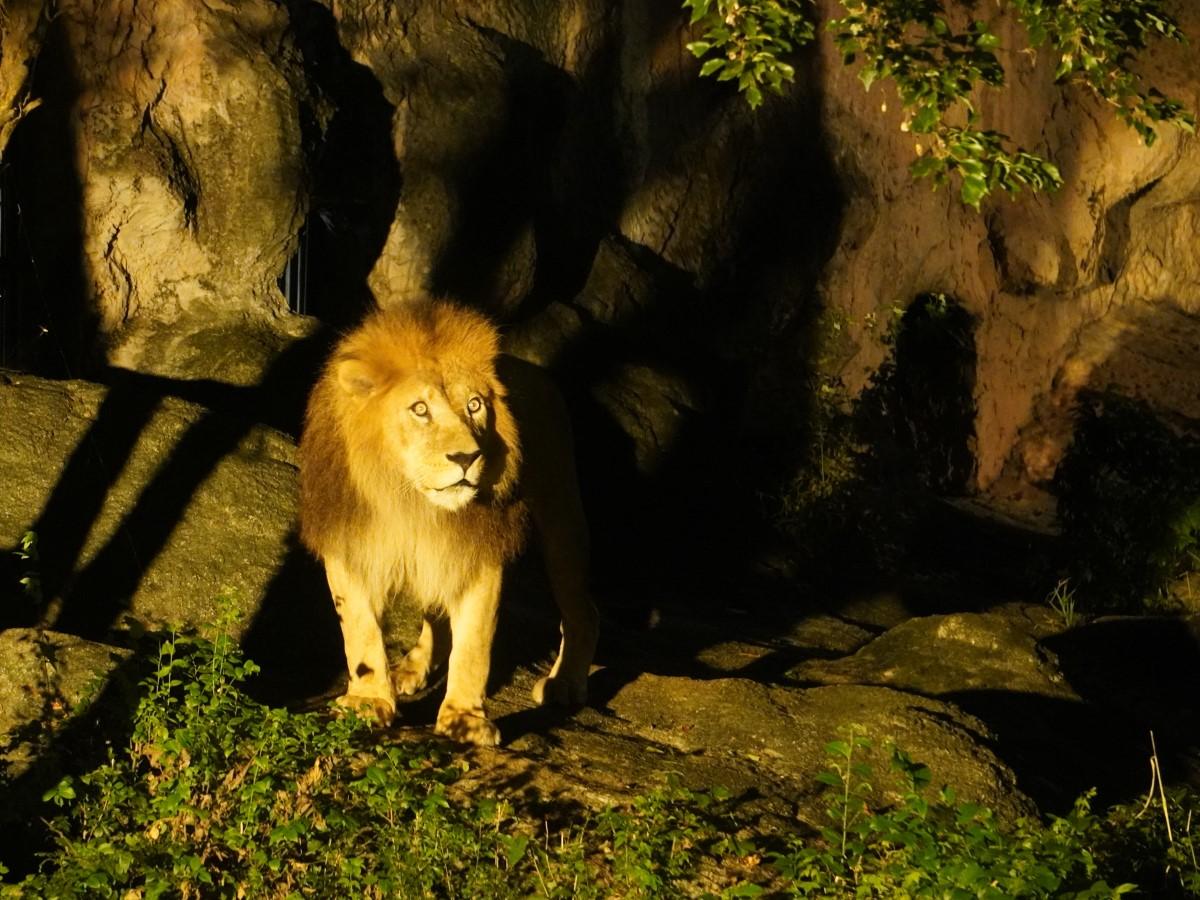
[563,167]
[1093,287]
[20,39]
[164,176]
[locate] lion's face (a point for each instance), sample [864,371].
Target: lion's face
[441,434]
[421,386]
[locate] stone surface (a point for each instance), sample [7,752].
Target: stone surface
[565,168]
[145,506]
[46,678]
[21,31]
[785,729]
[163,174]
[939,655]
[1071,291]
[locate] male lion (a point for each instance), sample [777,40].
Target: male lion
[424,454]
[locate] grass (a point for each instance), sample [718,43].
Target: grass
[1061,599]
[215,795]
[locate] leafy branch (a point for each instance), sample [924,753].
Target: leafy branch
[747,38]
[938,68]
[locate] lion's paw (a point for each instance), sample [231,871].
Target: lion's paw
[558,690]
[467,727]
[409,677]
[377,708]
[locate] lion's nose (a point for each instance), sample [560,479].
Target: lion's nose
[464,459]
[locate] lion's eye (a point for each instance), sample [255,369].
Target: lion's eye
[420,408]
[474,405]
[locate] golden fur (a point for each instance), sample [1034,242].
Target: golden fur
[412,482]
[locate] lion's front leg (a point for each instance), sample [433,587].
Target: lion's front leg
[370,687]
[411,674]
[473,626]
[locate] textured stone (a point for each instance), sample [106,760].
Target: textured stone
[1063,286]
[784,730]
[21,31]
[937,655]
[45,678]
[169,156]
[146,507]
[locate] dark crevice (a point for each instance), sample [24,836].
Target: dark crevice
[1115,246]
[354,176]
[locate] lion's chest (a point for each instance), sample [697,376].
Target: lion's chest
[429,560]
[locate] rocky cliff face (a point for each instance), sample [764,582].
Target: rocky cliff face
[162,181]
[1091,288]
[563,167]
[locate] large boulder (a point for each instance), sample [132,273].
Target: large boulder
[163,174]
[785,729]
[147,509]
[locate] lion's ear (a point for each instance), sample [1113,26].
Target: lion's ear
[356,377]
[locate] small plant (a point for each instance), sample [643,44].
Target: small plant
[662,838]
[1129,503]
[30,578]
[1157,843]
[215,795]
[1062,600]
[920,847]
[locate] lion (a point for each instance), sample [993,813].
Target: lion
[425,456]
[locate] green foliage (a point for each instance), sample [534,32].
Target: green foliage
[747,38]
[936,70]
[28,559]
[217,795]
[1157,844]
[859,493]
[941,847]
[1061,599]
[939,67]
[1095,41]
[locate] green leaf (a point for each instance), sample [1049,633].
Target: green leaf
[924,166]
[925,120]
[743,889]
[514,848]
[974,189]
[837,748]
[711,66]
[732,69]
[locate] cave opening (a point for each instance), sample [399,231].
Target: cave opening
[918,415]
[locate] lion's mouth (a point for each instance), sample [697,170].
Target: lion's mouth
[453,496]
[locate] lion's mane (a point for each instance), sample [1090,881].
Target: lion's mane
[356,502]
